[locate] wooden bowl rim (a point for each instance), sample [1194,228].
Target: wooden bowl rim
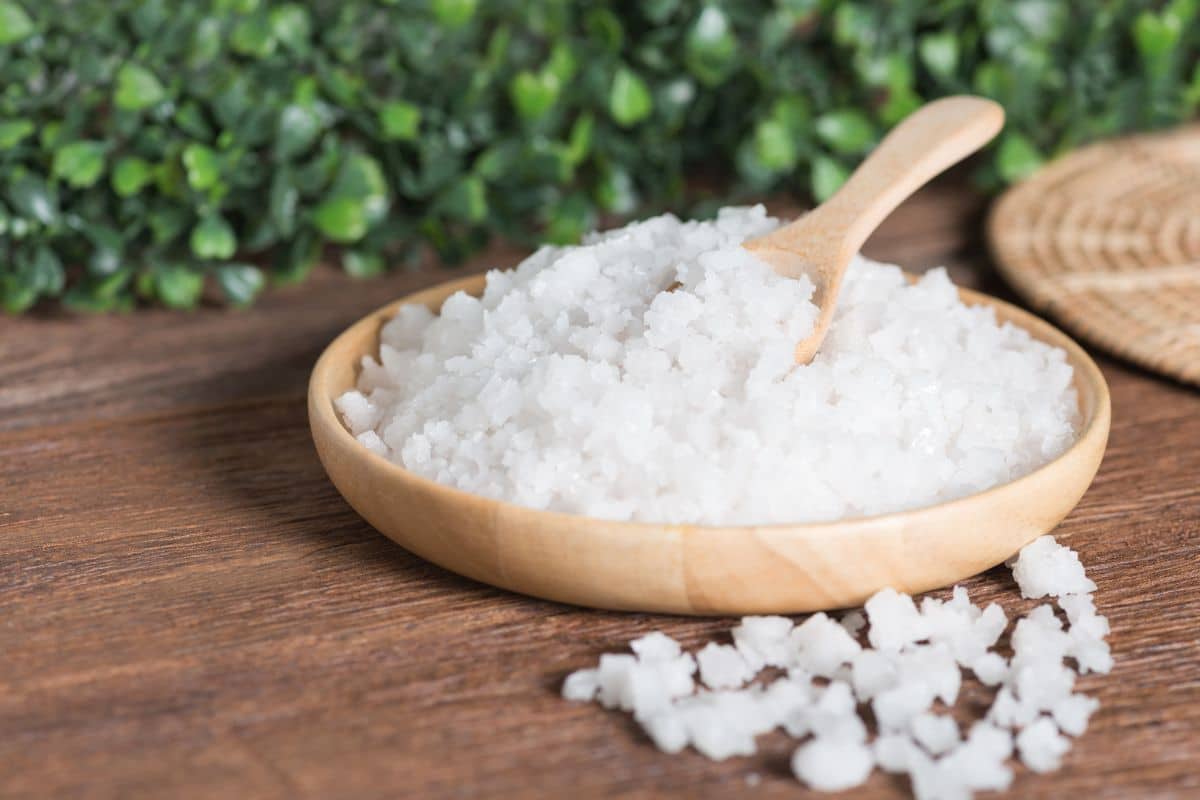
[1088,378]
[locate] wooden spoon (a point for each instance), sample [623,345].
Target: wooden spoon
[822,242]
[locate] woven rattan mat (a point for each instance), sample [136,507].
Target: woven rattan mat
[1107,240]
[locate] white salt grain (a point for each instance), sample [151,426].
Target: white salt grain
[723,667]
[990,668]
[914,660]
[582,382]
[832,765]
[1072,713]
[655,646]
[936,733]
[1045,567]
[581,686]
[821,646]
[763,641]
[1041,746]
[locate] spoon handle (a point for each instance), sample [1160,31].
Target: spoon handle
[927,142]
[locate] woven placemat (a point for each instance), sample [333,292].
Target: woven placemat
[1107,241]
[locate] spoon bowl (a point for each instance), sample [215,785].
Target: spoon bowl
[696,569]
[822,243]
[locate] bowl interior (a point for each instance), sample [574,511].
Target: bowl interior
[690,568]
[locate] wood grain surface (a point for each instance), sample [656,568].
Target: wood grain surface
[188,609]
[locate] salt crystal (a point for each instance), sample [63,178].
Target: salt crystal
[822,645]
[872,672]
[853,622]
[895,621]
[655,646]
[934,732]
[1041,746]
[990,668]
[763,641]
[1072,713]
[832,765]
[648,374]
[1045,567]
[581,686]
[722,666]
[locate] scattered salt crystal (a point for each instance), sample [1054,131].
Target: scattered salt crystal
[832,765]
[893,751]
[871,672]
[581,686]
[1045,567]
[667,730]
[853,622]
[612,678]
[990,668]
[655,646]
[1008,712]
[581,382]
[723,667]
[1041,746]
[895,707]
[763,641]
[1072,713]
[936,733]
[821,646]
[895,621]
[914,660]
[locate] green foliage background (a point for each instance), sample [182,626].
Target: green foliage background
[152,148]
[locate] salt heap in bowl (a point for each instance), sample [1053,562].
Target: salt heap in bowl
[648,375]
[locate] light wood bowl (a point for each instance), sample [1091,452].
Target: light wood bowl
[696,569]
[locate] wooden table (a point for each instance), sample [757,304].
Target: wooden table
[189,609]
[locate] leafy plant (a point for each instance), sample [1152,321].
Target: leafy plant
[156,150]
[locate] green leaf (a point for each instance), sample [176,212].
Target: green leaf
[939,53]
[828,175]
[45,271]
[206,41]
[284,200]
[202,166]
[130,175]
[1156,34]
[253,36]
[137,88]
[454,13]
[399,120]
[80,164]
[1017,157]
[213,238]
[579,143]
[846,131]
[178,286]
[299,126]
[534,94]
[34,198]
[466,200]
[775,146]
[291,25]
[13,132]
[15,24]
[629,100]
[362,263]
[710,47]
[240,283]
[361,178]
[341,219]
[107,247]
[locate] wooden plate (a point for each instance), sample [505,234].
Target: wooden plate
[693,569]
[1107,240]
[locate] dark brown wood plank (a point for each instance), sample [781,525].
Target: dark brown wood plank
[188,609]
